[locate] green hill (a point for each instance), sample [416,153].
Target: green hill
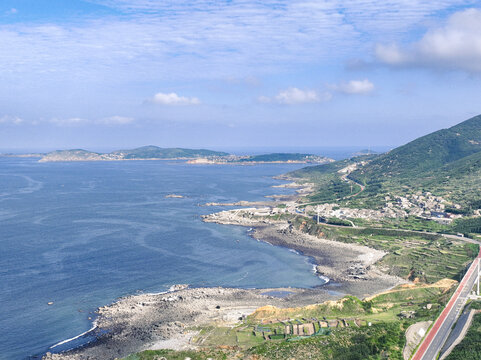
[155,152]
[460,180]
[425,154]
[446,162]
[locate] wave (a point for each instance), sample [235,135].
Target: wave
[75,337]
[322,277]
[325,278]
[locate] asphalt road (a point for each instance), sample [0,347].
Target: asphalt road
[436,337]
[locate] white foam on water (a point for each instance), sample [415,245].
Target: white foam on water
[322,277]
[75,337]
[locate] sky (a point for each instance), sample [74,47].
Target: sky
[220,74]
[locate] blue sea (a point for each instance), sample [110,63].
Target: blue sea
[82,234]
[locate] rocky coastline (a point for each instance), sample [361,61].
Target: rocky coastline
[168,320]
[349,267]
[154,321]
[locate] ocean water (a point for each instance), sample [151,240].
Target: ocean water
[81,235]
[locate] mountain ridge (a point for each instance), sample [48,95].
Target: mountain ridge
[426,153]
[446,162]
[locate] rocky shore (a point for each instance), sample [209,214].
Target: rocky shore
[154,321]
[168,320]
[349,267]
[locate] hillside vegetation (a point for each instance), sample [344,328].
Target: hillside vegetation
[425,154]
[446,162]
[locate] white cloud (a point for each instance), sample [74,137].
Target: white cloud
[354,87]
[455,46]
[112,120]
[264,99]
[167,39]
[294,96]
[391,54]
[116,120]
[247,80]
[7,119]
[173,99]
[12,11]
[69,121]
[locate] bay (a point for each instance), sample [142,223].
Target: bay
[82,234]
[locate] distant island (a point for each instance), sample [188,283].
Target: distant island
[142,153]
[292,158]
[364,152]
[192,156]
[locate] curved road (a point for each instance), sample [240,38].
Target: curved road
[346,179]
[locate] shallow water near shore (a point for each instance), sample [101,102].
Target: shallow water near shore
[82,234]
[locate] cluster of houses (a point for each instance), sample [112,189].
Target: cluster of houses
[424,205]
[333,210]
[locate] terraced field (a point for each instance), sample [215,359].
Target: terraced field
[414,256]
